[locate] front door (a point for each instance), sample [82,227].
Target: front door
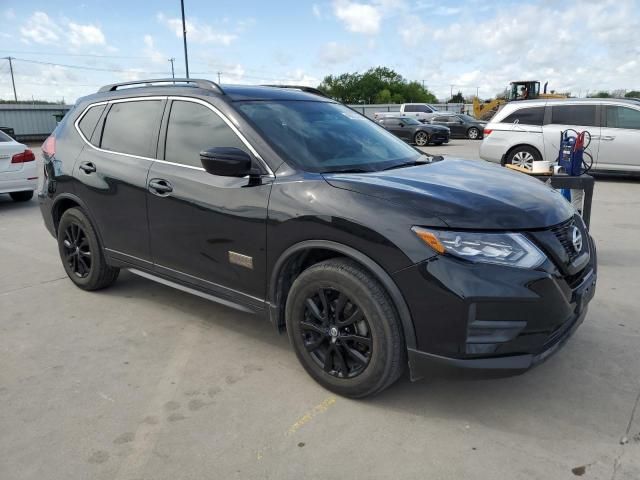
[206,229]
[620,139]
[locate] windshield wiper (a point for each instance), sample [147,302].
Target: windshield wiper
[414,163]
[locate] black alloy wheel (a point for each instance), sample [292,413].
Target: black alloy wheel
[336,334]
[77,252]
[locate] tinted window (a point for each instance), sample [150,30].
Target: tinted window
[623,117]
[4,137]
[441,119]
[326,137]
[583,115]
[410,108]
[88,123]
[130,126]
[193,128]
[526,116]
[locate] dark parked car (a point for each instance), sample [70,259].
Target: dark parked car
[286,204]
[413,131]
[461,125]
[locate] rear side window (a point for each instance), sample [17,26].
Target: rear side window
[193,128]
[4,137]
[526,116]
[89,121]
[410,108]
[581,115]
[623,117]
[130,126]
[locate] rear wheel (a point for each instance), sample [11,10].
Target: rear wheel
[523,156]
[81,253]
[22,196]
[344,329]
[421,138]
[473,133]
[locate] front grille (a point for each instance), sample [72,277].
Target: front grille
[564,234]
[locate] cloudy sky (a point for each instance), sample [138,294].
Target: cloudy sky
[65,49]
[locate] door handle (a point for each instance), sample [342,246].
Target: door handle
[87,167]
[160,187]
[607,139]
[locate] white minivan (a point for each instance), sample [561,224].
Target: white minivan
[527,131]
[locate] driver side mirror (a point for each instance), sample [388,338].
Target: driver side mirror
[226,161]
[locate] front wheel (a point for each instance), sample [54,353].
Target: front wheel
[344,329]
[81,253]
[473,133]
[421,139]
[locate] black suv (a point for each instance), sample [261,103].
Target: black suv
[281,202]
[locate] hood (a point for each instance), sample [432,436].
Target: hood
[465,194]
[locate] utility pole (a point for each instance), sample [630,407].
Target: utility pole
[478,93]
[184,37]
[13,82]
[219,77]
[173,74]
[451,97]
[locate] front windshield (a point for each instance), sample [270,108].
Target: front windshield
[326,137]
[410,121]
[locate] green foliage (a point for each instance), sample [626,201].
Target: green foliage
[376,85]
[633,94]
[458,98]
[601,94]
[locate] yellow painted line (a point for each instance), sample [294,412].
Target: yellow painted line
[307,417]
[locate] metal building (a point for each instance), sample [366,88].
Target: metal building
[31,122]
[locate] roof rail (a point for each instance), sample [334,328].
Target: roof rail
[302,88]
[197,82]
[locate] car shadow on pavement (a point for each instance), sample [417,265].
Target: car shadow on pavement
[6,203]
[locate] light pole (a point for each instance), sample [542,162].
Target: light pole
[184,37]
[173,74]
[13,82]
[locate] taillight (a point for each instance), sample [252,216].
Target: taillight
[487,131]
[26,156]
[49,146]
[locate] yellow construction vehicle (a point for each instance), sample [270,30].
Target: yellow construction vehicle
[519,90]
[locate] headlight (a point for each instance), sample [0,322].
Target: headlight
[511,249]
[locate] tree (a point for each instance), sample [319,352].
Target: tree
[632,94]
[601,94]
[458,98]
[379,84]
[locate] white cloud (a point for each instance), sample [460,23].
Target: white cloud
[150,50]
[39,28]
[358,17]
[81,35]
[334,53]
[315,8]
[198,32]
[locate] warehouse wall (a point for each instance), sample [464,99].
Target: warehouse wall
[31,122]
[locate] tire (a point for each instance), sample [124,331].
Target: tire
[81,253]
[473,133]
[24,196]
[523,156]
[365,356]
[421,138]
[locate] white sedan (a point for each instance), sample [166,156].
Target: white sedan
[18,169]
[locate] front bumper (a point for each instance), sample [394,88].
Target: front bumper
[439,137]
[486,320]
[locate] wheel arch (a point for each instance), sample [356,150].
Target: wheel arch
[296,258]
[64,202]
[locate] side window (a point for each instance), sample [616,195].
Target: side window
[422,108]
[581,115]
[130,126]
[410,108]
[440,119]
[193,128]
[89,121]
[623,117]
[526,116]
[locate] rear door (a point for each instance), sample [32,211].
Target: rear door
[207,230]
[452,122]
[574,116]
[620,138]
[112,170]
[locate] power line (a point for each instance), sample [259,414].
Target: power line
[84,67]
[62,54]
